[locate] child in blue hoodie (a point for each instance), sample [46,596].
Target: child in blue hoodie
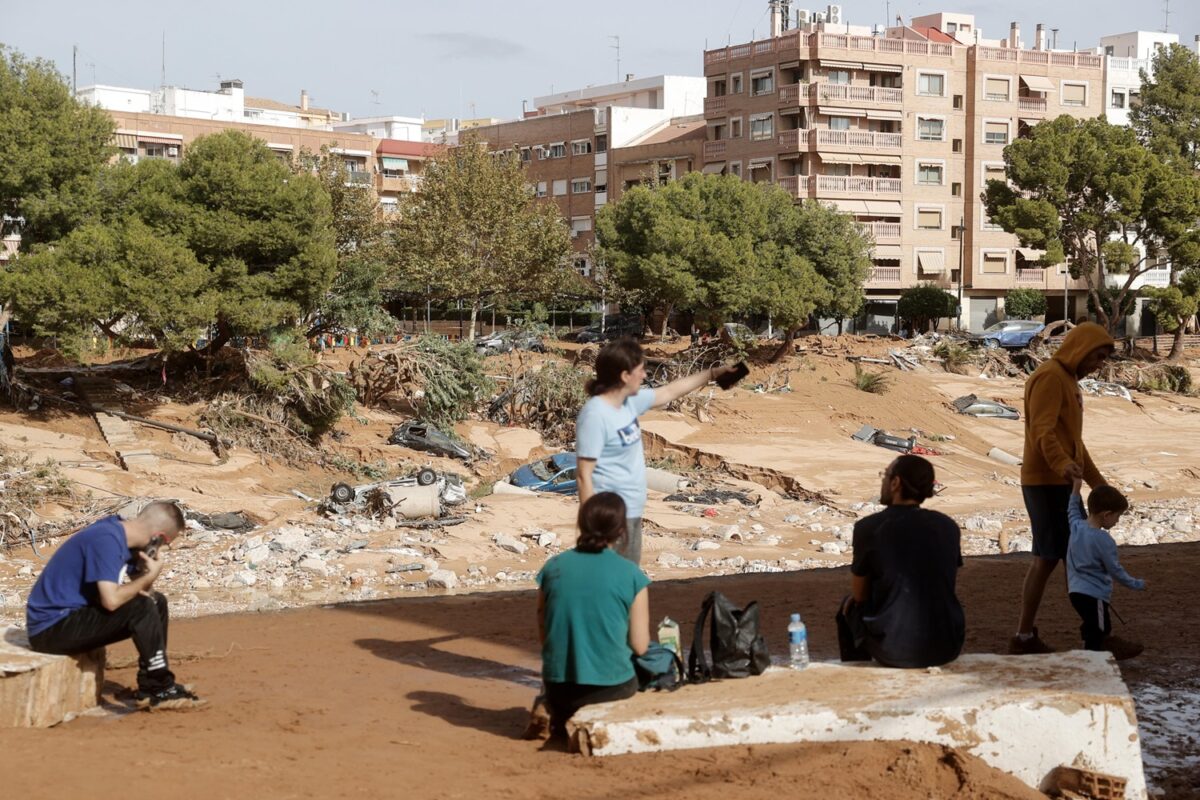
[1092,564]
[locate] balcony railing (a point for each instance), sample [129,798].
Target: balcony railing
[838,92]
[795,185]
[859,44]
[714,151]
[795,139]
[882,230]
[853,184]
[1047,57]
[792,94]
[884,275]
[856,139]
[715,106]
[1035,104]
[1134,65]
[1031,277]
[355,177]
[399,183]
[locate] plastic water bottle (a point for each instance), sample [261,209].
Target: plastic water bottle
[668,636]
[797,643]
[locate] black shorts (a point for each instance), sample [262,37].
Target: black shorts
[1047,509]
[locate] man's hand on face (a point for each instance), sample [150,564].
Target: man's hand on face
[1073,472]
[151,566]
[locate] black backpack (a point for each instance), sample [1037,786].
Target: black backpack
[738,651]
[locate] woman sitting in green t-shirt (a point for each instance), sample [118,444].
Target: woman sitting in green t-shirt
[593,616]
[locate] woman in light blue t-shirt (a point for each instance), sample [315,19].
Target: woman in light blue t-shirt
[608,440]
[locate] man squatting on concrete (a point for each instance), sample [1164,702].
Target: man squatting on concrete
[608,440]
[1054,458]
[97,590]
[903,610]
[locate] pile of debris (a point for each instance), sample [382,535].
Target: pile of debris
[544,397]
[441,381]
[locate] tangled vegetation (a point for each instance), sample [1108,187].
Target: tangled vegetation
[546,398]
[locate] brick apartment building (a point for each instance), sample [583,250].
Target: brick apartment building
[901,128]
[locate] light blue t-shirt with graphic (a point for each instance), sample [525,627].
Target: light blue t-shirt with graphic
[613,438]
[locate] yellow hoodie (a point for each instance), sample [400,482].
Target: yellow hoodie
[1054,412]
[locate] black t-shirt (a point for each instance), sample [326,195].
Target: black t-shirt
[911,557]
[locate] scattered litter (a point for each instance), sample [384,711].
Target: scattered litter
[881,439]
[225,520]
[1105,389]
[974,406]
[996,454]
[711,497]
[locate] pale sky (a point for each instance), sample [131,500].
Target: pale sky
[471,58]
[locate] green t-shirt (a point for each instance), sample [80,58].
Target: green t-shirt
[588,596]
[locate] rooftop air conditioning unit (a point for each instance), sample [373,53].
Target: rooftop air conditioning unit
[173,150]
[803,17]
[834,15]
[818,18]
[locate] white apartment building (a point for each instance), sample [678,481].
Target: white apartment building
[404,129]
[675,95]
[1127,54]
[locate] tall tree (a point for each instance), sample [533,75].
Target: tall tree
[476,233]
[1174,305]
[1089,193]
[51,149]
[840,251]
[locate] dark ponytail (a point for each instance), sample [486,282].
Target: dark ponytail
[916,477]
[601,522]
[622,355]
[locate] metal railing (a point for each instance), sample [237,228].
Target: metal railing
[1031,277]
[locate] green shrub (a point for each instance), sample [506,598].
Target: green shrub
[925,304]
[1024,304]
[873,382]
[955,356]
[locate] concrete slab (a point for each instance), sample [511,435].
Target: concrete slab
[37,690]
[1025,715]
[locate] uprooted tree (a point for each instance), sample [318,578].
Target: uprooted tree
[1089,193]
[476,233]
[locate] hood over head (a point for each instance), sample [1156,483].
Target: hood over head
[1079,342]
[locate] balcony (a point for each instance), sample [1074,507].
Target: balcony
[793,94]
[884,275]
[794,140]
[842,93]
[1031,277]
[881,231]
[858,139]
[716,106]
[795,39]
[853,184]
[1045,57]
[405,183]
[1035,104]
[355,177]
[795,185]
[714,151]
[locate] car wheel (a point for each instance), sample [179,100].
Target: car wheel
[991,344]
[426,477]
[342,493]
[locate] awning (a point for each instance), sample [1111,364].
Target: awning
[790,110]
[149,138]
[840,158]
[835,111]
[883,67]
[1038,83]
[1030,253]
[825,62]
[848,206]
[390,162]
[884,208]
[789,65]
[931,260]
[1030,121]
[125,141]
[760,164]
[880,160]
[714,169]
[885,115]
[887,252]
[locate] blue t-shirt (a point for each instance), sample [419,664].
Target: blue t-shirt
[588,597]
[612,437]
[96,553]
[1092,561]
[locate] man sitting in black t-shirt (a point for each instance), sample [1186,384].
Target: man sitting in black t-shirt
[902,610]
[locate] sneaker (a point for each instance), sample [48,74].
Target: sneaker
[177,697]
[538,726]
[1028,647]
[1122,649]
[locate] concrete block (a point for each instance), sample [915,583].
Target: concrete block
[1025,715]
[37,690]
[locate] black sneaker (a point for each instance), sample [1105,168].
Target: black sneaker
[175,697]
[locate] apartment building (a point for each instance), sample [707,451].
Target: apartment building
[900,127]
[228,104]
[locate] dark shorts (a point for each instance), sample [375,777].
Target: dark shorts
[1047,509]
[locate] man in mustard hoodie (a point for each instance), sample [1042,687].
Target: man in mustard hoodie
[1054,457]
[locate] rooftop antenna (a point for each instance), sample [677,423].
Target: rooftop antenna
[374,97]
[163,81]
[1166,16]
[1054,38]
[617,46]
[74,76]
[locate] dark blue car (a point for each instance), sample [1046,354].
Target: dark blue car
[1013,333]
[554,473]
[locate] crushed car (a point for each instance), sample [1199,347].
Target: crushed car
[554,474]
[450,488]
[417,435]
[975,406]
[507,341]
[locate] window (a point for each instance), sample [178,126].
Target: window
[1135,98]
[839,123]
[931,83]
[838,76]
[956,189]
[951,28]
[560,187]
[930,174]
[1118,99]
[735,84]
[996,88]
[956,145]
[541,189]
[581,185]
[557,150]
[762,83]
[601,183]
[995,133]
[602,143]
[1074,94]
[839,170]
[581,148]
[762,127]
[995,262]
[955,232]
[735,128]
[931,130]
[958,102]
[580,225]
[735,169]
[929,219]
[993,172]
[526,154]
[583,267]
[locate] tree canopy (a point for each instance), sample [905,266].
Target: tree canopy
[925,305]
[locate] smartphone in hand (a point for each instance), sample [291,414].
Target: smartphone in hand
[728,380]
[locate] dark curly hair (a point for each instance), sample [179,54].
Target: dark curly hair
[1106,498]
[623,355]
[601,522]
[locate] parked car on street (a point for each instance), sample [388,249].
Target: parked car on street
[419,436]
[554,473]
[615,326]
[1012,333]
[507,341]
